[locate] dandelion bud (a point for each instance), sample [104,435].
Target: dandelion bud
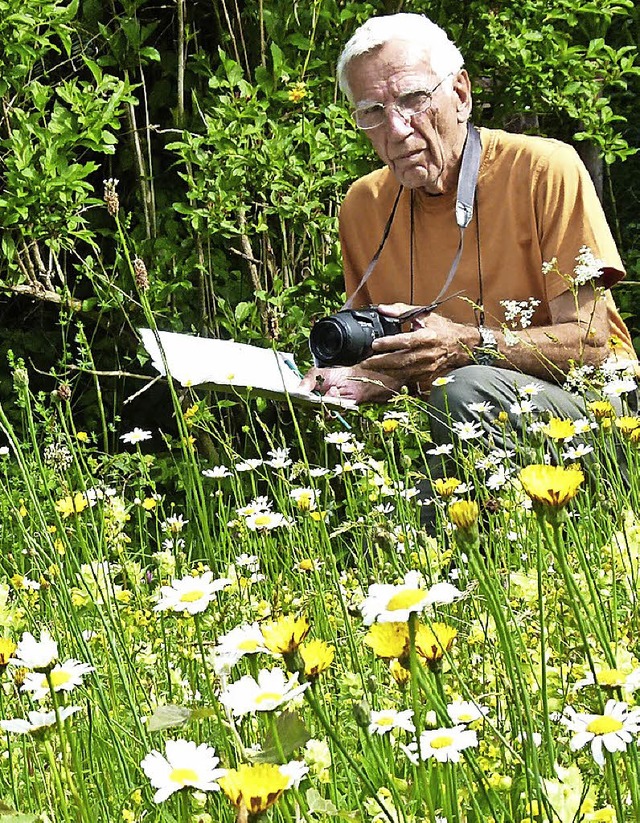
[464,513]
[111,196]
[362,714]
[140,274]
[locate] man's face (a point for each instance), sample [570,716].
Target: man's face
[424,151]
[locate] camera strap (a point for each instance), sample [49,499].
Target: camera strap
[465,199]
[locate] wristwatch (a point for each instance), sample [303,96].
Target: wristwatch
[486,353]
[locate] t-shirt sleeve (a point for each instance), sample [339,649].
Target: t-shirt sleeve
[570,217]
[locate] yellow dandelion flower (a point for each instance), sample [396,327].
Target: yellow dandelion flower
[445,486]
[627,424]
[82,437]
[72,504]
[551,486]
[400,673]
[503,418]
[601,409]
[149,503]
[255,788]
[388,640]
[464,513]
[433,641]
[317,657]
[390,425]
[306,564]
[557,428]
[634,436]
[283,636]
[7,648]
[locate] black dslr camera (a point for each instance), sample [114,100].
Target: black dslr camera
[345,338]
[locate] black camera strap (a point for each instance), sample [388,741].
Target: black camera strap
[465,199]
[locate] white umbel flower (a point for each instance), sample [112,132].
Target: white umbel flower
[184,765]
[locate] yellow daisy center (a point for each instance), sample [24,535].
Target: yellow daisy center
[442,741]
[385,720]
[262,698]
[610,677]
[262,520]
[183,776]
[192,596]
[405,599]
[248,645]
[605,725]
[59,678]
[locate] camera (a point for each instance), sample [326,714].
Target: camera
[345,338]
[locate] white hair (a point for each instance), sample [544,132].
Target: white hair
[443,55]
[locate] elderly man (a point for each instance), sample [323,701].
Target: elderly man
[475,217]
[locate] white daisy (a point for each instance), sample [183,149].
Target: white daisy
[295,770]
[389,719]
[273,688]
[530,390]
[37,721]
[466,711]
[481,408]
[467,430]
[443,448]
[521,407]
[442,381]
[249,465]
[190,594]
[617,387]
[279,459]
[174,524]
[64,677]
[39,655]
[338,438]
[612,730]
[445,744]
[389,603]
[265,521]
[183,765]
[441,594]
[216,472]
[577,452]
[136,435]
[234,645]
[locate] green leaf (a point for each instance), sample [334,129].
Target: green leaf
[318,805]
[167,717]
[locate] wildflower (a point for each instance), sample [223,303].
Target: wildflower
[136,435]
[389,425]
[552,486]
[184,764]
[482,407]
[389,603]
[111,196]
[72,504]
[304,498]
[140,274]
[297,92]
[388,640]
[273,688]
[613,729]
[588,267]
[433,641]
[464,513]
[577,452]
[382,722]
[446,486]
[174,524]
[283,636]
[445,744]
[522,407]
[38,655]
[216,472]
[465,711]
[601,409]
[279,458]
[190,594]
[519,311]
[254,787]
[620,386]
[234,645]
[499,478]
[266,521]
[248,465]
[442,449]
[467,430]
[338,438]
[442,381]
[64,677]
[37,721]
[7,648]
[627,424]
[317,656]
[558,428]
[442,594]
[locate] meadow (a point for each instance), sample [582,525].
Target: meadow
[275,635]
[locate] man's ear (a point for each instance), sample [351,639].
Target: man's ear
[462,91]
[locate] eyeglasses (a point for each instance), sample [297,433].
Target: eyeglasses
[408,105]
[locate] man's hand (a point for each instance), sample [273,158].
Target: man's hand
[431,349]
[353,383]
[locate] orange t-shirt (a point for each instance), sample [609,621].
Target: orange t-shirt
[535,202]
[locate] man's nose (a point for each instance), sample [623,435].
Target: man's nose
[398,124]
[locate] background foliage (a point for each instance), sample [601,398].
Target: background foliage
[233,149]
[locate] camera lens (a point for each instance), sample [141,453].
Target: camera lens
[327,339]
